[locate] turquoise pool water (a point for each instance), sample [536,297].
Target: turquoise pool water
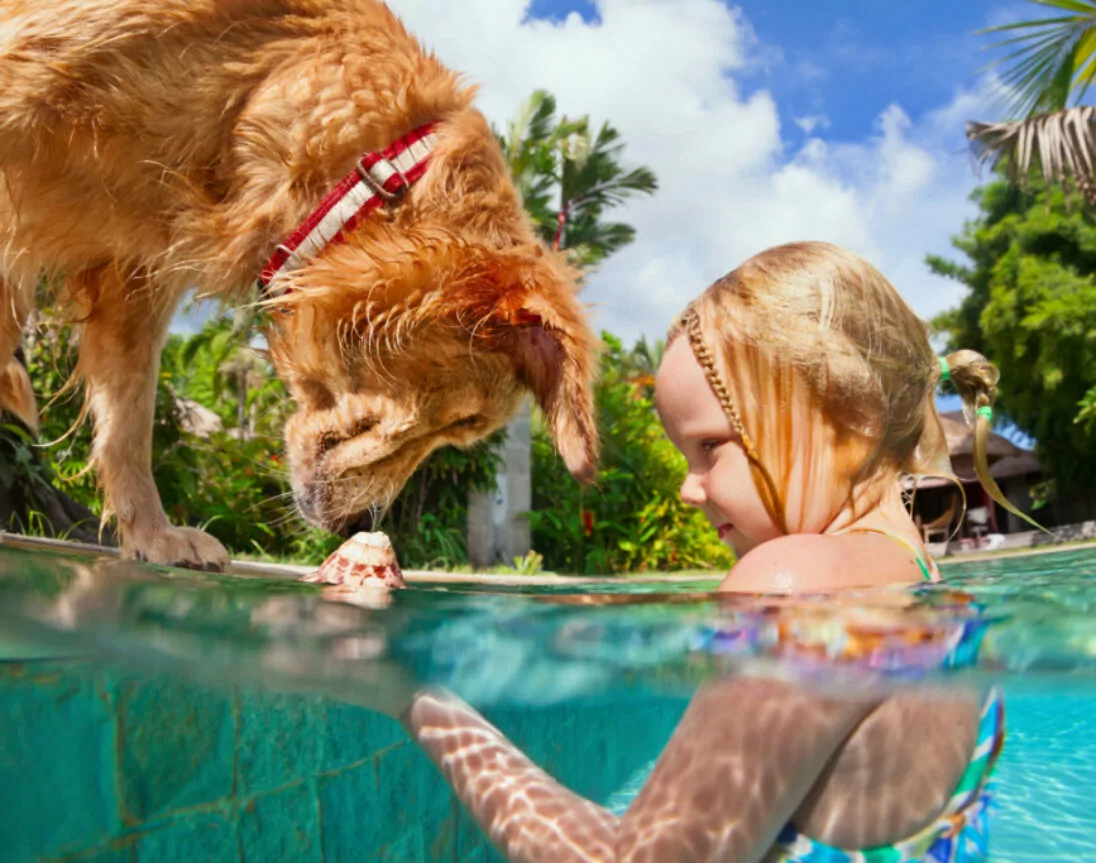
[149,714]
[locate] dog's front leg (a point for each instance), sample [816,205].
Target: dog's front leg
[119,362]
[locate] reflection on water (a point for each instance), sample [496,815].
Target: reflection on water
[802,677]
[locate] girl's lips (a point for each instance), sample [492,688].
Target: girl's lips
[724,529]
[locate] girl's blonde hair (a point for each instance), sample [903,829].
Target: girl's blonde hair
[814,342]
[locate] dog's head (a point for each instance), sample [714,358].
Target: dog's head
[427,327]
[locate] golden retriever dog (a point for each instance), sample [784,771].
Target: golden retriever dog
[148,147]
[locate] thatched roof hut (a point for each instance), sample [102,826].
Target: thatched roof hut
[1005,458]
[960,438]
[1013,468]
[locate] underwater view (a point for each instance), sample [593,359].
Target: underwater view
[158,714]
[547,431]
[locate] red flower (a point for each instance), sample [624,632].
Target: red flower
[587,521]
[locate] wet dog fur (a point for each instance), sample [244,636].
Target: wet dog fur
[152,146]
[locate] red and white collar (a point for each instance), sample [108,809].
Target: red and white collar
[378,178]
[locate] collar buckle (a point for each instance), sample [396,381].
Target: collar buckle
[376,184]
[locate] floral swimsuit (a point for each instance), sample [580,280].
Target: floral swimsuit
[814,643]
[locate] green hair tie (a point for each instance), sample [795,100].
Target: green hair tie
[986,413]
[945,371]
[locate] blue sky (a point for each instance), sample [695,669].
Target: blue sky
[848,59]
[854,58]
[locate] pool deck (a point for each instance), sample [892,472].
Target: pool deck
[255,569]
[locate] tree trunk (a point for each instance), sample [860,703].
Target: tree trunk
[561,220]
[241,403]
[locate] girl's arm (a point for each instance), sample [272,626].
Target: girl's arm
[743,758]
[525,813]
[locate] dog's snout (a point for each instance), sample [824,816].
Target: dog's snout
[361,523]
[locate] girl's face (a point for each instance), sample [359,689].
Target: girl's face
[719,481]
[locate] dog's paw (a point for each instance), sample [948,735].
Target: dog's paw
[179,546]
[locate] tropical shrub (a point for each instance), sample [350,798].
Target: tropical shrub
[1030,307]
[631,519]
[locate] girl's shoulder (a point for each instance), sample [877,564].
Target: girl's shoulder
[817,563]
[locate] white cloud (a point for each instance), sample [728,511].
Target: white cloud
[811,122]
[666,72]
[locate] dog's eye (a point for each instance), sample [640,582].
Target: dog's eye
[365,424]
[328,441]
[467,422]
[332,438]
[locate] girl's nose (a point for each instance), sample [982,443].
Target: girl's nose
[692,491]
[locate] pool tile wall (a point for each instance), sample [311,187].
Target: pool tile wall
[105,766]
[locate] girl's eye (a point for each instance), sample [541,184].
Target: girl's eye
[709,446]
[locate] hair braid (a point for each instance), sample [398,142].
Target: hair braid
[704,357]
[772,501]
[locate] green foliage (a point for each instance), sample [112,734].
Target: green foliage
[30,504]
[529,564]
[631,519]
[233,483]
[531,147]
[17,457]
[1042,493]
[592,181]
[1031,309]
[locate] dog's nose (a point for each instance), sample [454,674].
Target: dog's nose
[360,523]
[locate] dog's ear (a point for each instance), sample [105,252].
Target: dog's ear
[555,356]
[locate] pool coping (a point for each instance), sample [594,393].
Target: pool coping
[255,569]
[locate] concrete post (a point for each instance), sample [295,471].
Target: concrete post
[498,530]
[514,539]
[481,529]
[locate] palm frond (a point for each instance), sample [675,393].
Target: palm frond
[599,181]
[532,123]
[1052,58]
[1062,142]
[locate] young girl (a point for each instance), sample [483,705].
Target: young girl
[800,389]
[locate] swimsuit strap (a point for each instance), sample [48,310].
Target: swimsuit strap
[927,567]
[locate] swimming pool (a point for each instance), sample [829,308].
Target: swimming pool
[148,714]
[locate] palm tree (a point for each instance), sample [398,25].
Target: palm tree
[583,172]
[568,180]
[592,181]
[1051,62]
[531,148]
[218,365]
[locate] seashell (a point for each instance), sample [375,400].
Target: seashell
[366,560]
